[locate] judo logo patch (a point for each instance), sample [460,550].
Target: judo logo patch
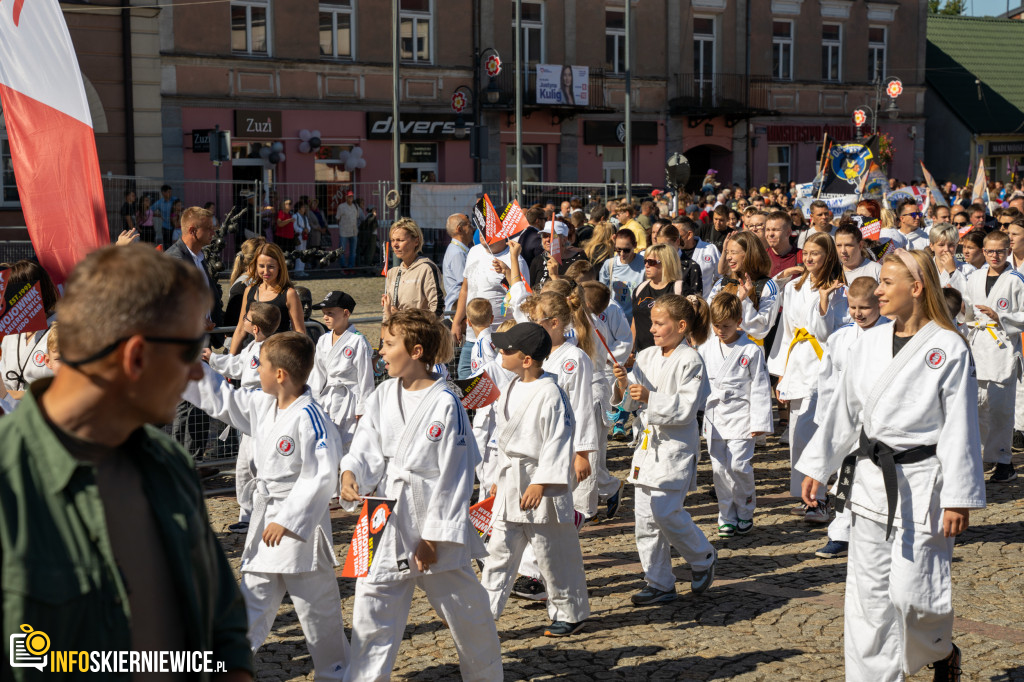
[569,366]
[254,363]
[348,352]
[1002,304]
[39,358]
[435,431]
[707,258]
[285,446]
[935,358]
[744,361]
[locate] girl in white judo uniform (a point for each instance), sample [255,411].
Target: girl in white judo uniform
[745,266]
[414,445]
[863,306]
[295,451]
[738,409]
[342,377]
[994,312]
[534,504]
[261,320]
[668,385]
[813,306]
[906,434]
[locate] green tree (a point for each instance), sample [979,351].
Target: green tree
[952,7]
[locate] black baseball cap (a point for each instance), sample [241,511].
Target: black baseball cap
[528,337]
[336,299]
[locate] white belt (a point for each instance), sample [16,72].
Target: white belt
[258,493]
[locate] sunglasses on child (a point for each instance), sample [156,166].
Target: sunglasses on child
[192,349]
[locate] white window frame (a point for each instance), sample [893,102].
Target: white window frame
[619,35]
[614,171]
[783,44]
[882,47]
[788,165]
[836,45]
[417,17]
[249,5]
[335,11]
[510,162]
[702,76]
[527,26]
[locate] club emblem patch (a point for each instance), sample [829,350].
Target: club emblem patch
[569,366]
[1002,304]
[380,517]
[39,358]
[285,446]
[707,258]
[347,352]
[255,362]
[636,473]
[603,317]
[744,361]
[935,358]
[435,431]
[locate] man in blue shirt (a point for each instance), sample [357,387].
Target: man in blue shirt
[162,214]
[461,232]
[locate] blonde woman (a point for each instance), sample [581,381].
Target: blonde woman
[663,275]
[600,247]
[416,281]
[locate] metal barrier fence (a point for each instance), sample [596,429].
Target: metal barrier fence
[11,252]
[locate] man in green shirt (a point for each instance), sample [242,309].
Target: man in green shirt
[105,544]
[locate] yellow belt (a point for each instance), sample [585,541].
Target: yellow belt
[802,334]
[991,327]
[759,342]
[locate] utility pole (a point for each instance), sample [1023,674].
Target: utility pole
[519,100]
[395,96]
[628,140]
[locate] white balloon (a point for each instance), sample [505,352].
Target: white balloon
[265,152]
[357,152]
[277,147]
[280,157]
[361,163]
[315,133]
[350,165]
[343,156]
[304,147]
[305,134]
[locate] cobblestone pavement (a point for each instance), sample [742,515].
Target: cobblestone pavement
[774,612]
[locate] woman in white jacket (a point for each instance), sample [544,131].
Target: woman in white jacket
[906,435]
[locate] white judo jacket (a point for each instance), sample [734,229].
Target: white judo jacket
[740,401]
[342,377]
[482,353]
[834,362]
[535,445]
[927,394]
[574,372]
[614,327]
[424,461]
[759,320]
[706,256]
[295,453]
[669,444]
[798,363]
[996,345]
[244,367]
[23,357]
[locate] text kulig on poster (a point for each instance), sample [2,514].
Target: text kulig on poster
[373,519]
[22,310]
[563,84]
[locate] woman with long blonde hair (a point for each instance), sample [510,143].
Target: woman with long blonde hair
[600,247]
[271,284]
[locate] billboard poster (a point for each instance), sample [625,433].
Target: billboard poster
[563,84]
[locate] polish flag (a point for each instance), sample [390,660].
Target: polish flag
[49,127]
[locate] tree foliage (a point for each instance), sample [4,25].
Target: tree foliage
[951,7]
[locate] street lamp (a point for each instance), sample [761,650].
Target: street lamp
[459,104]
[893,89]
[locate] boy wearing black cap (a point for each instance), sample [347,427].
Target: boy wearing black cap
[533,504]
[342,376]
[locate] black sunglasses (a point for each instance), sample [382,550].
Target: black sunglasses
[652,263]
[623,250]
[960,224]
[193,348]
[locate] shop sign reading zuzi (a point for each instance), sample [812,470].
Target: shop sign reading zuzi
[415,127]
[257,124]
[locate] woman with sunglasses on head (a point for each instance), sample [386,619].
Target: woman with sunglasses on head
[662,275]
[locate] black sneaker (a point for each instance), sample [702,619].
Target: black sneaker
[242,527]
[1018,439]
[612,505]
[652,595]
[702,579]
[988,466]
[529,588]
[561,628]
[1004,473]
[948,669]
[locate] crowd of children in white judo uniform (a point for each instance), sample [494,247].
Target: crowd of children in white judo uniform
[540,449]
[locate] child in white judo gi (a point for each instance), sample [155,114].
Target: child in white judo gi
[994,313]
[862,303]
[738,409]
[261,320]
[414,445]
[813,306]
[480,316]
[534,504]
[295,451]
[905,435]
[484,422]
[342,377]
[668,385]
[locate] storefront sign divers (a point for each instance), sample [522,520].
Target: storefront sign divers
[413,126]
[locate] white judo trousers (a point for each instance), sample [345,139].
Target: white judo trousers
[801,430]
[995,414]
[381,610]
[899,599]
[733,472]
[1018,410]
[318,606]
[560,566]
[245,471]
[662,523]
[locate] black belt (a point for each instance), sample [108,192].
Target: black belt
[886,458]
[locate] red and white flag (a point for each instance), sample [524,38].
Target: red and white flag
[49,127]
[512,221]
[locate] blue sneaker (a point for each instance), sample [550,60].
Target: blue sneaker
[702,579]
[619,433]
[652,595]
[833,550]
[612,505]
[561,628]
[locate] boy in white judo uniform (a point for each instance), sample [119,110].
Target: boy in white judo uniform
[414,445]
[484,422]
[288,547]
[994,313]
[342,377]
[480,316]
[261,320]
[738,409]
[534,501]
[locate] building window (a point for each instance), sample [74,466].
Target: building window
[336,30]
[8,188]
[778,163]
[533,160]
[831,52]
[782,50]
[614,159]
[533,32]
[704,58]
[416,17]
[615,40]
[250,30]
[876,52]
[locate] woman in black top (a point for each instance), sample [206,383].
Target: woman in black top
[268,267]
[662,271]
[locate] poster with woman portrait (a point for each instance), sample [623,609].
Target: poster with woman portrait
[563,84]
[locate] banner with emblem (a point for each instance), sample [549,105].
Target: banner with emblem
[373,519]
[21,308]
[847,164]
[479,391]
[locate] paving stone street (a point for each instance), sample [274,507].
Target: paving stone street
[774,613]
